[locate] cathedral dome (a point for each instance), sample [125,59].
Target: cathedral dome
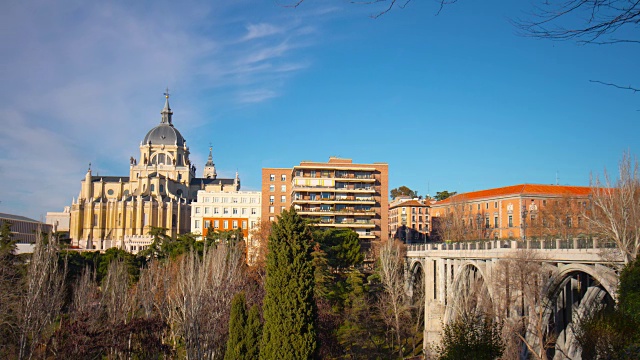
[165,133]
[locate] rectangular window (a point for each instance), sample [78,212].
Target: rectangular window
[225,210]
[225,200]
[216,224]
[197,210]
[495,222]
[216,199]
[225,224]
[495,205]
[272,188]
[486,205]
[283,198]
[244,200]
[283,177]
[254,200]
[244,211]
[253,211]
[282,208]
[244,224]
[207,199]
[235,224]
[272,209]
[272,199]
[510,220]
[253,224]
[283,188]
[216,210]
[235,211]
[272,218]
[207,224]
[234,200]
[207,210]
[478,206]
[272,177]
[197,223]
[486,221]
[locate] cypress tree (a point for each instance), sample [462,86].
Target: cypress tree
[289,308]
[236,348]
[253,332]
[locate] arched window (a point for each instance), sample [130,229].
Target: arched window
[161,159]
[179,192]
[153,187]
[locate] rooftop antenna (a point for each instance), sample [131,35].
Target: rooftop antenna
[557,177]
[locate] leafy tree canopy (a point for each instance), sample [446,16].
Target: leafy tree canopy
[403,191]
[441,195]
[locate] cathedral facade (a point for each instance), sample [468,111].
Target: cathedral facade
[119,211]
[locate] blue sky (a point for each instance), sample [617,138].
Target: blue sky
[456,102]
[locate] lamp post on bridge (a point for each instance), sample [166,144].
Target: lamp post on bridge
[524,222]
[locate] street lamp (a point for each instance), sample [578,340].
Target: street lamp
[524,222]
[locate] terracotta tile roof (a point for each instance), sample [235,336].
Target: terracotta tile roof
[408,203]
[522,189]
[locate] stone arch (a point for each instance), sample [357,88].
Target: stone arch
[470,288]
[416,273]
[570,292]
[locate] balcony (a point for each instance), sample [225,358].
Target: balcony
[322,188]
[333,212]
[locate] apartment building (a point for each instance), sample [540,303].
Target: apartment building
[337,194]
[512,212]
[409,219]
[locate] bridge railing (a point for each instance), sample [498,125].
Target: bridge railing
[542,244]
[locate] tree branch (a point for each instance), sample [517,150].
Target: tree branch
[615,85]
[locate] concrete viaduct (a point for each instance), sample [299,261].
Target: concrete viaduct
[576,275]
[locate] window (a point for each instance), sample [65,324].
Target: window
[244,224]
[216,210]
[283,208]
[495,222]
[272,188]
[216,199]
[254,200]
[283,198]
[244,200]
[225,224]
[486,205]
[272,199]
[235,211]
[470,207]
[253,211]
[283,188]
[478,206]
[197,223]
[486,221]
[313,173]
[207,210]
[225,200]
[495,205]
[216,224]
[283,177]
[272,209]
[110,191]
[225,210]
[197,210]
[153,187]
[235,224]
[244,211]
[95,220]
[207,224]
[271,218]
[272,177]
[253,224]
[234,200]
[510,220]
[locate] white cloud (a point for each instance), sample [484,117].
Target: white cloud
[80,78]
[256,31]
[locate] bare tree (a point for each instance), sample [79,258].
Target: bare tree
[452,225]
[43,296]
[201,298]
[393,304]
[615,214]
[520,301]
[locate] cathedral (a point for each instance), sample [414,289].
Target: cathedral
[119,211]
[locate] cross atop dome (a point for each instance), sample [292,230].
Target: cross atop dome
[166,111]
